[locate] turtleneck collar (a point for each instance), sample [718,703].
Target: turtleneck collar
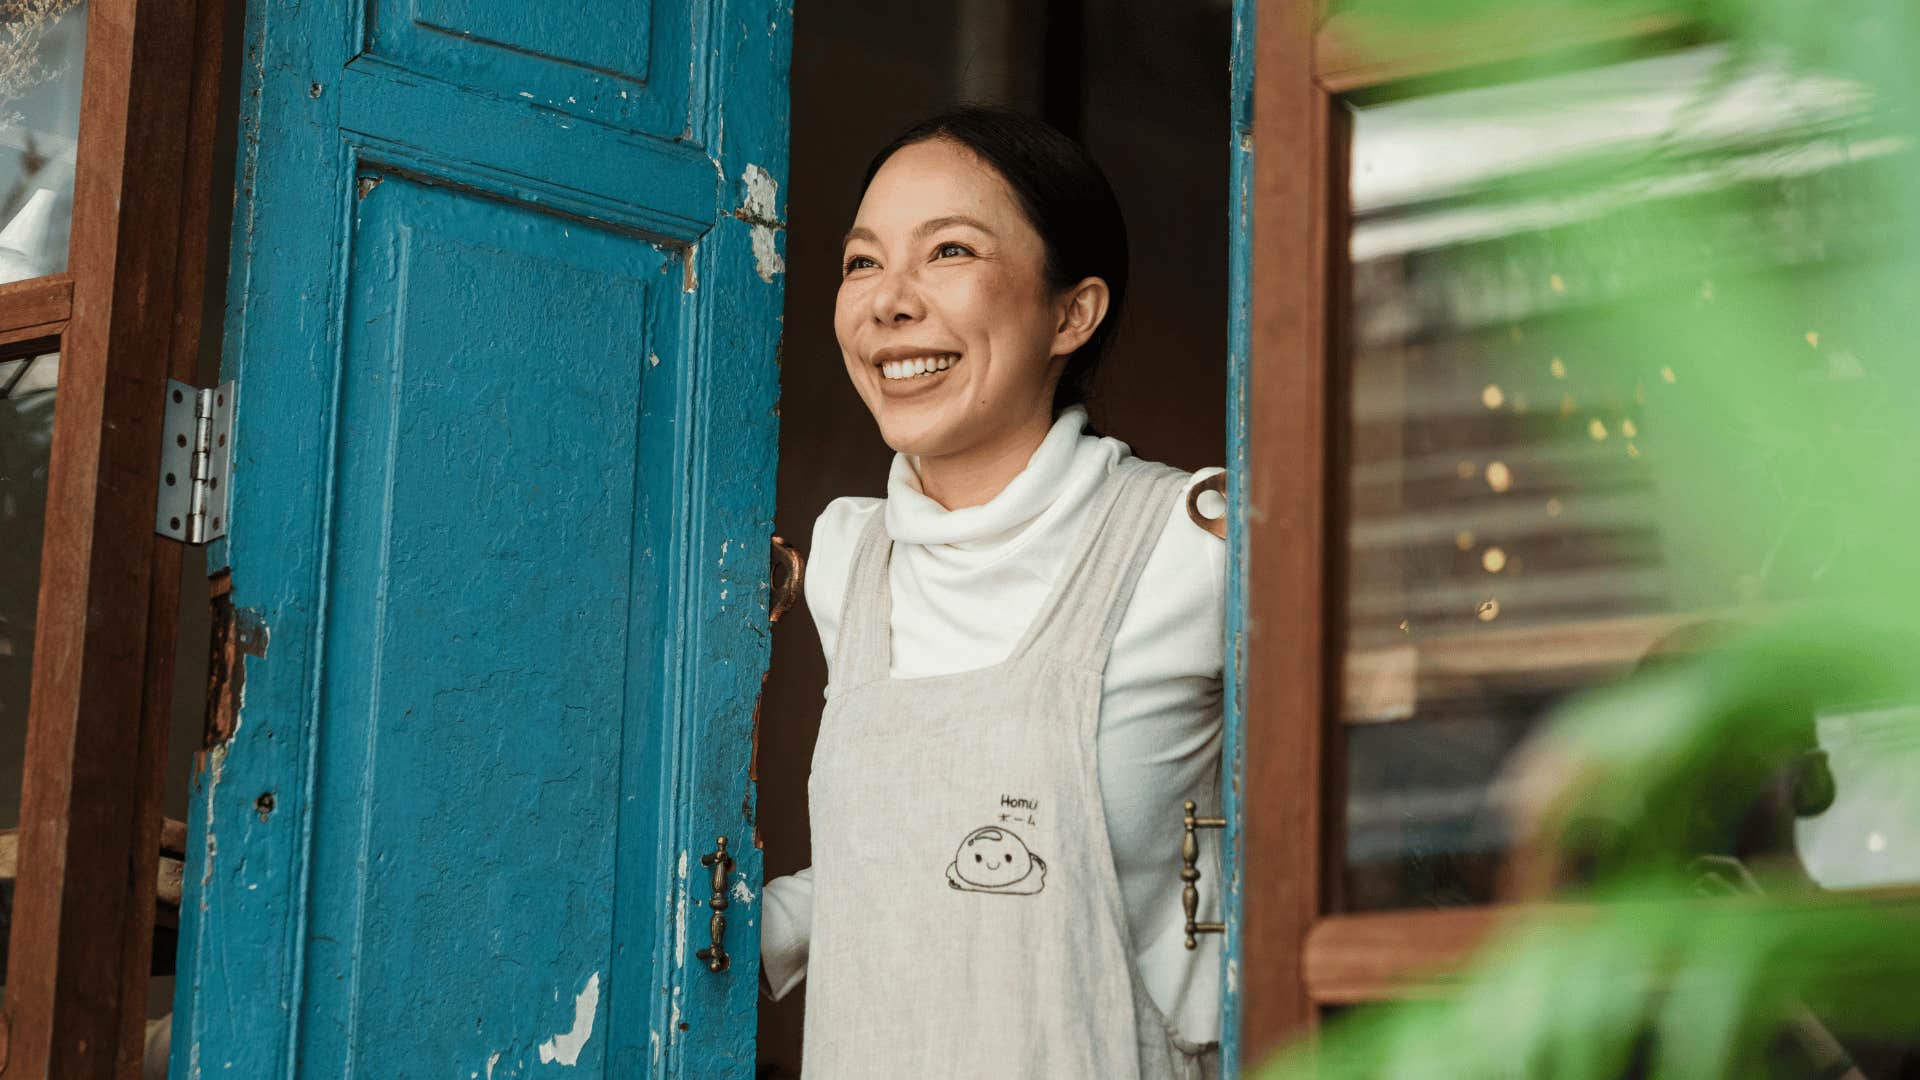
[1063,471]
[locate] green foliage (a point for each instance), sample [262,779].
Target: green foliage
[1771,328]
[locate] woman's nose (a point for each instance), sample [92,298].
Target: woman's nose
[896,300]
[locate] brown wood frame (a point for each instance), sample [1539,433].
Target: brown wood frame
[1297,955]
[125,317]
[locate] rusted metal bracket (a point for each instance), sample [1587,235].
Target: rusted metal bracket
[1207,504]
[237,633]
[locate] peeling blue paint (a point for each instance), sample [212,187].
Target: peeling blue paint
[489,443]
[1240,149]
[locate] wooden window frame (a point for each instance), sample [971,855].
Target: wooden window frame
[1296,952]
[125,317]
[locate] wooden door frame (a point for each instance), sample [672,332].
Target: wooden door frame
[125,317]
[1289,951]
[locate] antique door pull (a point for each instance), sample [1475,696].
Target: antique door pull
[722,863]
[1190,874]
[789,571]
[1207,504]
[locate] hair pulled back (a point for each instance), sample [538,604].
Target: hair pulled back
[1067,200]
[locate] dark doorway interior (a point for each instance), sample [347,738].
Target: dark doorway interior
[1145,85]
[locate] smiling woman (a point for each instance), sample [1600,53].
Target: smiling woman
[1024,651]
[980,286]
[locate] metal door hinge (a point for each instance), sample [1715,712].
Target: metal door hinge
[194,461]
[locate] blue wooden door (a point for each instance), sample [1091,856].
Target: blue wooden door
[503,323]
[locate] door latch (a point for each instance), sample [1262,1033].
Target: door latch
[195,458]
[1190,874]
[722,863]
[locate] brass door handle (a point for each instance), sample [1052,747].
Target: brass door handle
[722,863]
[1190,874]
[789,571]
[1209,495]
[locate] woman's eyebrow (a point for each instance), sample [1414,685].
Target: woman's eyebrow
[951,219]
[861,232]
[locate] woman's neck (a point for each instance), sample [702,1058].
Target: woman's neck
[974,476]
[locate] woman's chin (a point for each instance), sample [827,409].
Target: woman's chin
[917,431]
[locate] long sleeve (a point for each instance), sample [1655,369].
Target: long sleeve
[786,928]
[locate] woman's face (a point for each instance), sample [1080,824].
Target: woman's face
[945,318]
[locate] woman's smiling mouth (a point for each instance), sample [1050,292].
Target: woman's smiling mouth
[917,367]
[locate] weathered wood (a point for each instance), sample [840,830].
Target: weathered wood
[1288,681]
[502,321]
[190,273]
[31,340]
[84,904]
[166,875]
[34,302]
[1352,959]
[1241,156]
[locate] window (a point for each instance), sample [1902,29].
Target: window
[106,145]
[1459,516]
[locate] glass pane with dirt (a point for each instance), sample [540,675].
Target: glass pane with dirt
[1511,532]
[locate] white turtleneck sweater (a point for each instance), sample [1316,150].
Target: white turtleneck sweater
[966,584]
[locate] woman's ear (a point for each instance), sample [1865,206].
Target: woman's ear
[1081,310]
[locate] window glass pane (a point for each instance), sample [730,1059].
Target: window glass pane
[26,431]
[1510,538]
[41,45]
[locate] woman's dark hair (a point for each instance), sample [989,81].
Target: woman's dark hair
[1067,200]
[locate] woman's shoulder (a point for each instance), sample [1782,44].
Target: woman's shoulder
[839,525]
[1188,567]
[836,532]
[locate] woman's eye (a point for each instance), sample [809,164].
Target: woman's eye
[945,251]
[857,262]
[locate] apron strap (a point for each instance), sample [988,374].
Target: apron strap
[1080,618]
[862,654]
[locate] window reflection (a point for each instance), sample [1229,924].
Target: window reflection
[41,47]
[1506,534]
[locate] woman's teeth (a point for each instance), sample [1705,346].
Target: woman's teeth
[919,365]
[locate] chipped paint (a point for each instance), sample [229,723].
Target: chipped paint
[760,212]
[766,259]
[588,805]
[762,192]
[565,1047]
[740,890]
[680,917]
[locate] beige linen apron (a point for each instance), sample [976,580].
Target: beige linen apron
[967,917]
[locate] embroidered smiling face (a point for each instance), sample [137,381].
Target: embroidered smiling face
[992,859]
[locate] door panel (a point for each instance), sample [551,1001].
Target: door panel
[502,488]
[610,61]
[493,600]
